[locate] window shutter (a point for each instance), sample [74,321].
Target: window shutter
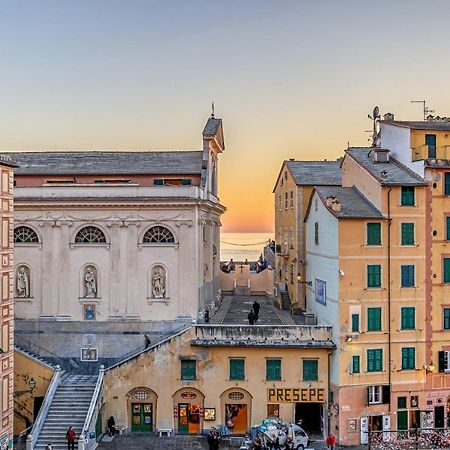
[158,182]
[448,224]
[447,183]
[368,395]
[446,270]
[407,234]
[446,318]
[386,394]
[370,361]
[441,365]
[355,323]
[373,233]
[355,364]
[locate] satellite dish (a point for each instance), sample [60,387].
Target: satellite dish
[376,112]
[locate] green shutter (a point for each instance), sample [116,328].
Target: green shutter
[448,228]
[408,358]
[237,369]
[374,234]
[446,318]
[186,181]
[273,369]
[407,196]
[188,370]
[446,270]
[310,370]
[374,360]
[402,420]
[355,323]
[407,234]
[158,182]
[374,276]
[408,315]
[373,319]
[355,364]
[408,276]
[447,183]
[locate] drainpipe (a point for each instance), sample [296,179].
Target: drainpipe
[328,430]
[389,297]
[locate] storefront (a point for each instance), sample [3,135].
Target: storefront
[236,406]
[141,406]
[188,410]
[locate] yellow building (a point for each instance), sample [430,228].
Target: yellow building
[424,146]
[7,308]
[292,191]
[233,375]
[365,244]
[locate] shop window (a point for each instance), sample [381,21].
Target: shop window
[408,358]
[356,366]
[374,319]
[273,369]
[355,323]
[407,196]
[408,318]
[374,276]
[273,410]
[401,402]
[310,370]
[237,369]
[446,318]
[407,234]
[374,234]
[408,276]
[375,360]
[188,369]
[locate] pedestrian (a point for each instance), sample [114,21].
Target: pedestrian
[206,315]
[48,447]
[147,341]
[251,317]
[256,308]
[111,425]
[276,445]
[257,445]
[71,436]
[211,440]
[331,441]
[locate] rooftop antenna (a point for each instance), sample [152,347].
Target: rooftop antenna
[376,126]
[426,109]
[212,110]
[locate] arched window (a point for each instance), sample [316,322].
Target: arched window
[158,235]
[90,235]
[25,235]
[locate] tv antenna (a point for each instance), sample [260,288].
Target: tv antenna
[426,109]
[212,110]
[376,126]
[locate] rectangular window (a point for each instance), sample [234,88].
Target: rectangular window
[273,410]
[355,323]
[186,182]
[407,234]
[446,270]
[355,364]
[237,369]
[408,358]
[375,360]
[446,318]
[310,370]
[316,233]
[292,199]
[286,200]
[188,369]
[373,319]
[447,183]
[430,141]
[408,314]
[374,234]
[279,203]
[374,394]
[158,182]
[401,402]
[408,276]
[444,361]
[407,196]
[447,234]
[273,369]
[374,276]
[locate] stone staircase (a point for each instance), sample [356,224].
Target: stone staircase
[241,291]
[69,408]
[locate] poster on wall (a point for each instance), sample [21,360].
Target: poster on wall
[321,291]
[426,419]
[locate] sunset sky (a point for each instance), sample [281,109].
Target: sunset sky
[289,79]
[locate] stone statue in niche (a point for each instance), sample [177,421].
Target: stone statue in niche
[22,283]
[159,283]
[90,283]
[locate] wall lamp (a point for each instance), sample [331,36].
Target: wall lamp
[299,280]
[31,384]
[349,339]
[430,368]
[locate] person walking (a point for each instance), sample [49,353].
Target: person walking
[331,441]
[70,437]
[251,317]
[256,308]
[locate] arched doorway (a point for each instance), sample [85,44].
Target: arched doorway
[141,407]
[236,406]
[188,410]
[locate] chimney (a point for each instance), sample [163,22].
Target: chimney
[389,117]
[330,201]
[336,206]
[429,118]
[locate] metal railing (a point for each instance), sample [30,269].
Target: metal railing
[412,439]
[92,414]
[40,419]
[22,438]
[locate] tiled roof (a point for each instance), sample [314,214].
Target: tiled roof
[391,173]
[310,173]
[211,126]
[420,124]
[107,162]
[353,204]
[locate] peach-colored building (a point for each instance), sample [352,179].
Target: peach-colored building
[7,307]
[365,259]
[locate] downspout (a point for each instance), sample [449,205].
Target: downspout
[389,296]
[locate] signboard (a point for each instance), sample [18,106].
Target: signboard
[209,414]
[386,428]
[89,354]
[364,430]
[321,291]
[295,395]
[188,395]
[426,419]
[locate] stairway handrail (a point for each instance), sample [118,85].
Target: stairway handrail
[43,412]
[92,406]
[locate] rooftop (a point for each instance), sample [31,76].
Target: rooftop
[434,125]
[311,173]
[391,173]
[107,162]
[353,204]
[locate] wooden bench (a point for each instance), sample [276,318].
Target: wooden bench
[165,432]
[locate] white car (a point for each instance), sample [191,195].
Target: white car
[298,436]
